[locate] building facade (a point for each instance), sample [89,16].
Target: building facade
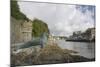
[21,31]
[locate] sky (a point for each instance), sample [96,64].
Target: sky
[62,19]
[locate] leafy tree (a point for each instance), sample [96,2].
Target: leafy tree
[39,27]
[15,11]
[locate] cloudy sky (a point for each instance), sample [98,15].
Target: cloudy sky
[62,19]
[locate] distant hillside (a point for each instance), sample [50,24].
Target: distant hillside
[15,11]
[39,27]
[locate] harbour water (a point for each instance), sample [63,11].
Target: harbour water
[86,49]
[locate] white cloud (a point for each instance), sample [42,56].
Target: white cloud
[62,19]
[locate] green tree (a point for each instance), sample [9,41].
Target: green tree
[39,27]
[15,11]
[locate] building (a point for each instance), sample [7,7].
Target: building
[21,31]
[92,33]
[26,30]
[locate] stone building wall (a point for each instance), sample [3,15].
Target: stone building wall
[21,31]
[92,33]
[26,30]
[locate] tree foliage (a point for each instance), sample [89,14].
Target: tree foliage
[15,11]
[39,27]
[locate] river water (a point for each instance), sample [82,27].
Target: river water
[86,49]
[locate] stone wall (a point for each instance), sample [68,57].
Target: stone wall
[21,31]
[26,31]
[92,33]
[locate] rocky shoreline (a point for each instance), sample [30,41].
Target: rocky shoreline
[50,54]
